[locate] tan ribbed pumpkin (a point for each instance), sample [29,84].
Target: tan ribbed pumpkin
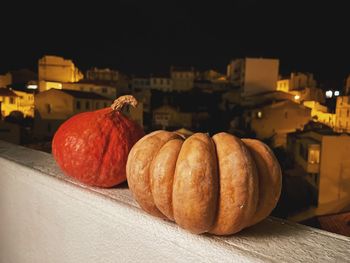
[218,185]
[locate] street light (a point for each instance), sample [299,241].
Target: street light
[329,94]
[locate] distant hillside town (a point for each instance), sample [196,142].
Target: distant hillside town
[308,127]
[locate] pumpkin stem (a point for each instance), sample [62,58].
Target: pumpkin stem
[120,102]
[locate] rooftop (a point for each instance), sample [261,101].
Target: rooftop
[84,95]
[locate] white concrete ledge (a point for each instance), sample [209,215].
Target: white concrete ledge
[47,217]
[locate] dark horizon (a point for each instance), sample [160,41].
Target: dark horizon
[142,38]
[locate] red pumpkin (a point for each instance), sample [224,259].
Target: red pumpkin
[93,147]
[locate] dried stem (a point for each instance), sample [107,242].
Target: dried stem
[120,102]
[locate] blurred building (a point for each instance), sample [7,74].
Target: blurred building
[7,101]
[16,100]
[109,77]
[296,81]
[253,75]
[324,159]
[107,90]
[167,117]
[320,113]
[56,70]
[347,86]
[182,78]
[342,114]
[55,106]
[161,82]
[141,83]
[302,86]
[273,121]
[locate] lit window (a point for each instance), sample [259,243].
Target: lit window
[296,97]
[314,156]
[336,93]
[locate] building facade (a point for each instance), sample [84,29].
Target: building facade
[296,81]
[253,75]
[53,107]
[182,78]
[15,100]
[161,83]
[57,69]
[324,159]
[274,121]
[342,114]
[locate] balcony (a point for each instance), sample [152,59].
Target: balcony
[48,217]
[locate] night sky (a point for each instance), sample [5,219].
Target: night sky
[149,36]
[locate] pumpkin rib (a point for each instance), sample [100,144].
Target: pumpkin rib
[195,187]
[162,172]
[238,185]
[138,170]
[270,178]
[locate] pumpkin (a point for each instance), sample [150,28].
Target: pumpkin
[219,185]
[92,147]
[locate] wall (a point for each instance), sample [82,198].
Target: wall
[48,217]
[280,119]
[53,68]
[342,114]
[182,80]
[162,84]
[25,103]
[54,104]
[167,116]
[103,90]
[334,188]
[260,75]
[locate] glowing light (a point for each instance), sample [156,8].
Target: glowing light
[259,114]
[329,94]
[32,86]
[296,97]
[336,93]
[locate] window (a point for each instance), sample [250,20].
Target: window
[87,105]
[78,105]
[104,90]
[48,108]
[314,156]
[12,100]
